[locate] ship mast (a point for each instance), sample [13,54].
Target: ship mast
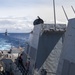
[73,9]
[54,14]
[65,12]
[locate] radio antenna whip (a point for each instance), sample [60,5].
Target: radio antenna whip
[54,14]
[65,13]
[73,9]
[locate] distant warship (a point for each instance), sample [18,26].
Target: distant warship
[6,33]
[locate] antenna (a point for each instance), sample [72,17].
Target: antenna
[65,13]
[54,14]
[73,9]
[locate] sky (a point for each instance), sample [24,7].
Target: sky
[17,16]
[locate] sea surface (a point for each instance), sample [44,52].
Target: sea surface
[13,40]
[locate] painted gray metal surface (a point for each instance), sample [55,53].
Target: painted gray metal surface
[68,51]
[47,43]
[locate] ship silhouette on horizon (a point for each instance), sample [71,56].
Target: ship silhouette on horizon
[6,33]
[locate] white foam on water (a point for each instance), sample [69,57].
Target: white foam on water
[4,45]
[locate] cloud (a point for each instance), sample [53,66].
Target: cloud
[17,24]
[7,22]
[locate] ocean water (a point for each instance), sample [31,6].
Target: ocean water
[13,40]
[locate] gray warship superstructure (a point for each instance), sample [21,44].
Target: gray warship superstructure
[44,47]
[66,64]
